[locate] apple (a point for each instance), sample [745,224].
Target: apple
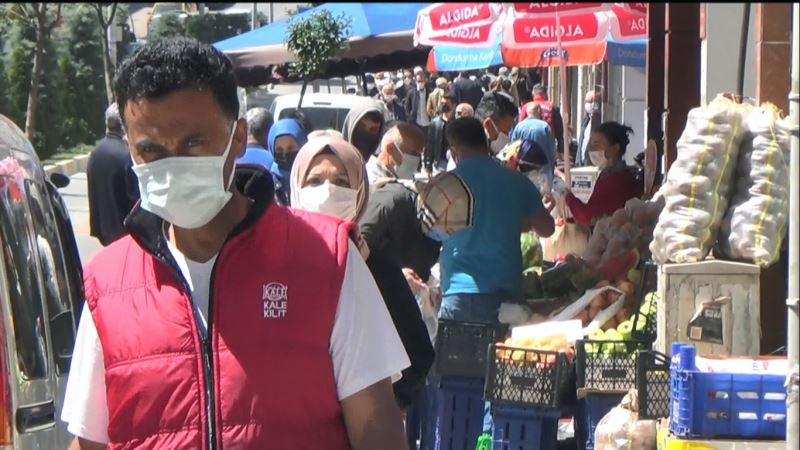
[634,276]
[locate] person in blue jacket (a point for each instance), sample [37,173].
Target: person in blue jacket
[259,123]
[284,141]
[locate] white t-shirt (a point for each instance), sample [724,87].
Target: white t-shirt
[365,347]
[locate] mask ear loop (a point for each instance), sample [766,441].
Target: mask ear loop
[225,156]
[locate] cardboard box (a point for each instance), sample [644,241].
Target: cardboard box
[583,179]
[684,287]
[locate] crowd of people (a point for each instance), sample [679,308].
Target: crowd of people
[277,285]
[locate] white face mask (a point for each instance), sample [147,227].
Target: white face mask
[499,143]
[598,159]
[329,199]
[186,191]
[408,167]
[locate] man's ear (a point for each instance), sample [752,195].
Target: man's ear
[239,138]
[491,130]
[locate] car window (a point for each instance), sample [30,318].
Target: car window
[54,272]
[321,118]
[21,264]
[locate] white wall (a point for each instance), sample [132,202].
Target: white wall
[720,51]
[626,104]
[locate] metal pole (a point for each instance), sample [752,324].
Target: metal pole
[743,50]
[254,16]
[793,322]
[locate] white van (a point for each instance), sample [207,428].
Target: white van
[40,291]
[325,111]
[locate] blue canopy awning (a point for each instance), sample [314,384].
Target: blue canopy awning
[376,28]
[627,53]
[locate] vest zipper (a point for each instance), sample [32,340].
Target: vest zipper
[205,341]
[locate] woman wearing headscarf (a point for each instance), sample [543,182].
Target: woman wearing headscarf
[328,176]
[284,141]
[615,184]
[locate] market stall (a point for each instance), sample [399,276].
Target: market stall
[650,334]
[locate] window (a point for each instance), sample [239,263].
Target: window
[21,266]
[53,272]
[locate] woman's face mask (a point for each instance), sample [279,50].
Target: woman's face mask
[598,158]
[330,199]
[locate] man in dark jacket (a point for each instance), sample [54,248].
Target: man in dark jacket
[435,156]
[111,183]
[466,90]
[416,101]
[392,231]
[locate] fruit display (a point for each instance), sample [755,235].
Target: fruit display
[532,256]
[623,330]
[556,344]
[603,300]
[619,240]
[568,278]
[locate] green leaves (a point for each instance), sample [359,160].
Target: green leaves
[315,41]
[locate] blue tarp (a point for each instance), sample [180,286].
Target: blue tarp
[368,19]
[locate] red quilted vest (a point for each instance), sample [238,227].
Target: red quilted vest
[274,293]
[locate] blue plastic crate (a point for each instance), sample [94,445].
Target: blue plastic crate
[717,405]
[458,409]
[591,409]
[524,428]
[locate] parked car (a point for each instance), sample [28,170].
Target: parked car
[324,111]
[40,293]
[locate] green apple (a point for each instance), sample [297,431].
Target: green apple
[640,320]
[634,276]
[625,329]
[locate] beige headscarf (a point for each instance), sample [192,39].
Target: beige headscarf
[347,154]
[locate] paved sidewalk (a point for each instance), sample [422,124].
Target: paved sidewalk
[76,198]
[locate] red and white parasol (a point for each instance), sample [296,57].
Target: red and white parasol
[469,24]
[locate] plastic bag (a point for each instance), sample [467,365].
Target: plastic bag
[567,237]
[429,301]
[698,183]
[621,428]
[755,224]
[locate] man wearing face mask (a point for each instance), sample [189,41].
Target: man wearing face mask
[400,155]
[193,322]
[415,103]
[436,143]
[496,112]
[372,89]
[481,264]
[393,109]
[389,225]
[363,127]
[591,116]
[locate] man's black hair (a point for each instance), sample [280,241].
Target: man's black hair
[496,105]
[466,133]
[452,98]
[168,65]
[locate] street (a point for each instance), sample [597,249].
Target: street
[76,197]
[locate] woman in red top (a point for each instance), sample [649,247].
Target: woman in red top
[615,185]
